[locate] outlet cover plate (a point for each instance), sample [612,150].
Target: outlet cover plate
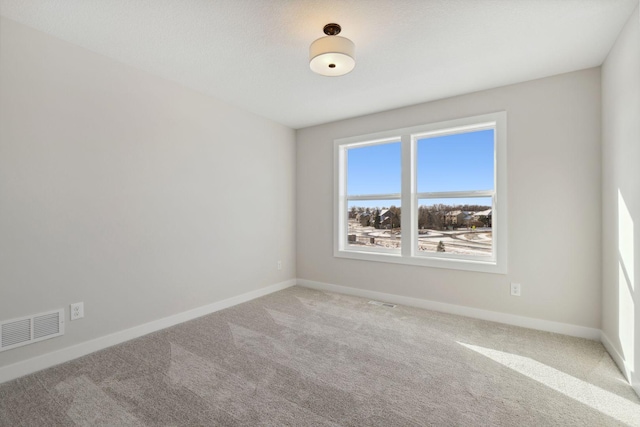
[515,289]
[77,311]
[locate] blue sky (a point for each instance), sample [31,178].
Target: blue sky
[447,163]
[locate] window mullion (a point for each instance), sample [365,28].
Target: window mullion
[456,194]
[409,220]
[390,196]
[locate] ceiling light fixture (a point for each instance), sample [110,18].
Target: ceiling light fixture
[332,55]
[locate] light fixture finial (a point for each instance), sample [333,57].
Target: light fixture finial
[332,29]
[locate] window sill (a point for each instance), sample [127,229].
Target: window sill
[448,263]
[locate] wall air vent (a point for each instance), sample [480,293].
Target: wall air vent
[27,330]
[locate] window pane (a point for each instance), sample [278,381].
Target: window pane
[374,169]
[374,224]
[455,226]
[460,162]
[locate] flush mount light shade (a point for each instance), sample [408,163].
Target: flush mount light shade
[332,55]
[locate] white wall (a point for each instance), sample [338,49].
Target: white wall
[131,193]
[621,199]
[554,203]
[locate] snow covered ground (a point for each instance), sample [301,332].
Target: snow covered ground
[461,241]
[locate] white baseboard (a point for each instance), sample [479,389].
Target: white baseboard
[632,377]
[494,316]
[44,361]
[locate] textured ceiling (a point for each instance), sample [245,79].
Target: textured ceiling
[254,53]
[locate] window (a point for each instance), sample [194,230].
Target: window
[432,195]
[374,218]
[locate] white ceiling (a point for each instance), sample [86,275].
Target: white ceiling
[254,53]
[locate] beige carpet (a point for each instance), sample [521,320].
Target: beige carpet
[307,358]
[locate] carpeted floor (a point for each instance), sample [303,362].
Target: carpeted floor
[307,358]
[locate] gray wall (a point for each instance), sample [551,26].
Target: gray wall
[554,203]
[131,193]
[621,196]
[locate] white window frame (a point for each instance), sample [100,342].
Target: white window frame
[409,254]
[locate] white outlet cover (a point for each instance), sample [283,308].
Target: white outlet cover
[515,289]
[77,311]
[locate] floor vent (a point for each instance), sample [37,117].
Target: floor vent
[383,304]
[27,330]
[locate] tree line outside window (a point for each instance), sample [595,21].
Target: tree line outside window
[435,217]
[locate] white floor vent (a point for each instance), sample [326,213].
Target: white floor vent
[383,304]
[27,330]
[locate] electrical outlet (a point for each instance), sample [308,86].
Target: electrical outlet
[515,289]
[77,311]
[279,265]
